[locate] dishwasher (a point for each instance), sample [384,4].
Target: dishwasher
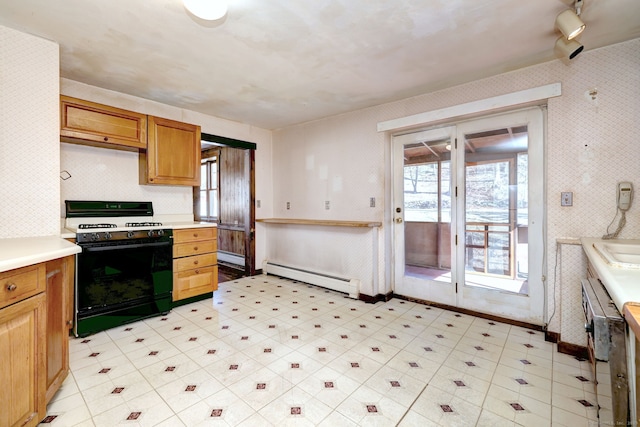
[606,344]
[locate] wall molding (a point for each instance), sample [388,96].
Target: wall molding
[526,96]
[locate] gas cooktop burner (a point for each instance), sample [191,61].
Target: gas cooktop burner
[143,224]
[88,226]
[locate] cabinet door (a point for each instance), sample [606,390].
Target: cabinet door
[173,153]
[191,283]
[23,367]
[84,122]
[57,327]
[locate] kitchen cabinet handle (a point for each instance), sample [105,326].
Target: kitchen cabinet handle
[106,138]
[11,287]
[197,271]
[195,234]
[195,248]
[195,262]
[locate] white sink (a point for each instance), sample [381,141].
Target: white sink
[620,253]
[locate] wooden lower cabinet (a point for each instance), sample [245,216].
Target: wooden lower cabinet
[195,269]
[23,367]
[34,338]
[59,274]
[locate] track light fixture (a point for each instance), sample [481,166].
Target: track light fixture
[568,48]
[570,25]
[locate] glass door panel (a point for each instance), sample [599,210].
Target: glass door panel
[422,215]
[501,215]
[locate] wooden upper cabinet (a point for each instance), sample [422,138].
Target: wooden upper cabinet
[173,153]
[89,123]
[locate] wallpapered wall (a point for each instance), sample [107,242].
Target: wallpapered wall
[29,141]
[591,146]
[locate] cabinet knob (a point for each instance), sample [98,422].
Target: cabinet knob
[195,234]
[11,287]
[106,138]
[197,271]
[195,248]
[195,262]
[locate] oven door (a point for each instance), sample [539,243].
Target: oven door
[120,282]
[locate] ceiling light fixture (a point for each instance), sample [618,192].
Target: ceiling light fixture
[569,22]
[571,26]
[209,10]
[568,48]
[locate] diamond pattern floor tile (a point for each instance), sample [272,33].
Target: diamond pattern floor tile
[271,351]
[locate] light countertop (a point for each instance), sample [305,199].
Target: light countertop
[622,284]
[23,251]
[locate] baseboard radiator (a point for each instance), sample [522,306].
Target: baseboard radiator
[340,284]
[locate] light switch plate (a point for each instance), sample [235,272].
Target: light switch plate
[566,198]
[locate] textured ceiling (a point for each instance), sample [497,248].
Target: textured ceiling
[274,63]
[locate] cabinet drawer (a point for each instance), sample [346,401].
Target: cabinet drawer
[194,234]
[191,262]
[193,248]
[190,283]
[21,283]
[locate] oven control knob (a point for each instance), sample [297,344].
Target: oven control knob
[107,235]
[95,236]
[150,233]
[130,234]
[160,232]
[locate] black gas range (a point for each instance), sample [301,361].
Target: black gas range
[125,270]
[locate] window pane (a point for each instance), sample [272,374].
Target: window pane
[445,191]
[203,175]
[214,175]
[213,203]
[421,192]
[203,203]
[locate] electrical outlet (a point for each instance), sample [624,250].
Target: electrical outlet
[257,203]
[288,205]
[372,202]
[566,198]
[327,205]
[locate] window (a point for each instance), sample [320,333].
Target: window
[209,189]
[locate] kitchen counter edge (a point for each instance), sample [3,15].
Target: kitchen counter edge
[20,252]
[621,283]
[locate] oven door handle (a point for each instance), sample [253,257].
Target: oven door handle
[120,247]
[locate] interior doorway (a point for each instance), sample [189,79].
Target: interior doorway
[226,195]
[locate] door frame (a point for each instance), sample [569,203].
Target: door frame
[249,226]
[536,301]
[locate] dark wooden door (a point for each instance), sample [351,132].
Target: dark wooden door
[236,216]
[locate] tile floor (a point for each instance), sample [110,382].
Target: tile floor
[270,351]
